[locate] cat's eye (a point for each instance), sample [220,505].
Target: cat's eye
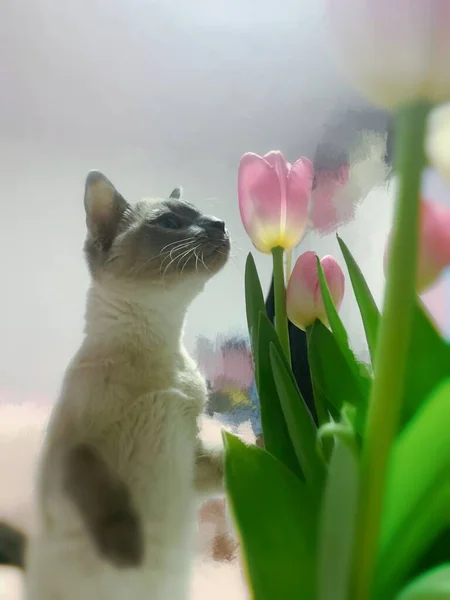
[169,222]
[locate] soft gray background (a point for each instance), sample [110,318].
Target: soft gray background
[155,94]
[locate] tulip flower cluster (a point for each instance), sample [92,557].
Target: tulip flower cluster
[274,202]
[361,485]
[275,205]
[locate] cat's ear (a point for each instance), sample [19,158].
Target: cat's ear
[177,193]
[104,207]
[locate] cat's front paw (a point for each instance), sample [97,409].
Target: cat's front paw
[119,538]
[209,460]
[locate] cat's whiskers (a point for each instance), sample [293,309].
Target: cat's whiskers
[232,256]
[189,257]
[203,261]
[181,246]
[197,258]
[188,239]
[179,257]
[166,252]
[186,253]
[137,269]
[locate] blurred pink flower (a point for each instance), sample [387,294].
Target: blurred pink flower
[325,214]
[226,362]
[342,182]
[434,244]
[436,301]
[236,369]
[304,296]
[274,199]
[394,51]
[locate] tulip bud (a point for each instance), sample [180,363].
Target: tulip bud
[395,51]
[274,199]
[304,296]
[434,244]
[437,141]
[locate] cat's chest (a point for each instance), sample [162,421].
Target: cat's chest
[143,422]
[149,425]
[153,449]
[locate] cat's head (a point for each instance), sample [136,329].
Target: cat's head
[151,241]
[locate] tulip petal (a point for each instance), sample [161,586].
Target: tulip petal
[394,51]
[334,278]
[434,247]
[276,159]
[439,52]
[298,194]
[301,291]
[259,201]
[434,244]
[304,300]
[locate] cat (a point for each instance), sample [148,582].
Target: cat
[123,467]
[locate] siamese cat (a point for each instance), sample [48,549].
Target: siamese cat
[123,465]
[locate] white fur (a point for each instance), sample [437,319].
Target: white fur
[134,393]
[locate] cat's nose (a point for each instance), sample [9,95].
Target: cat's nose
[217,223]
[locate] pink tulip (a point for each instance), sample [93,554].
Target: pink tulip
[395,51]
[304,296]
[434,244]
[274,199]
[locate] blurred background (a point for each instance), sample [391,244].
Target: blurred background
[156,94]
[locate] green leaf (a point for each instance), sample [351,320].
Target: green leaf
[337,525]
[254,298]
[369,311]
[262,332]
[437,554]
[343,431]
[346,427]
[349,415]
[434,585]
[417,492]
[360,372]
[331,375]
[429,355]
[428,362]
[276,517]
[334,319]
[300,424]
[277,440]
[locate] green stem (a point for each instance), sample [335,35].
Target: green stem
[279,288]
[392,345]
